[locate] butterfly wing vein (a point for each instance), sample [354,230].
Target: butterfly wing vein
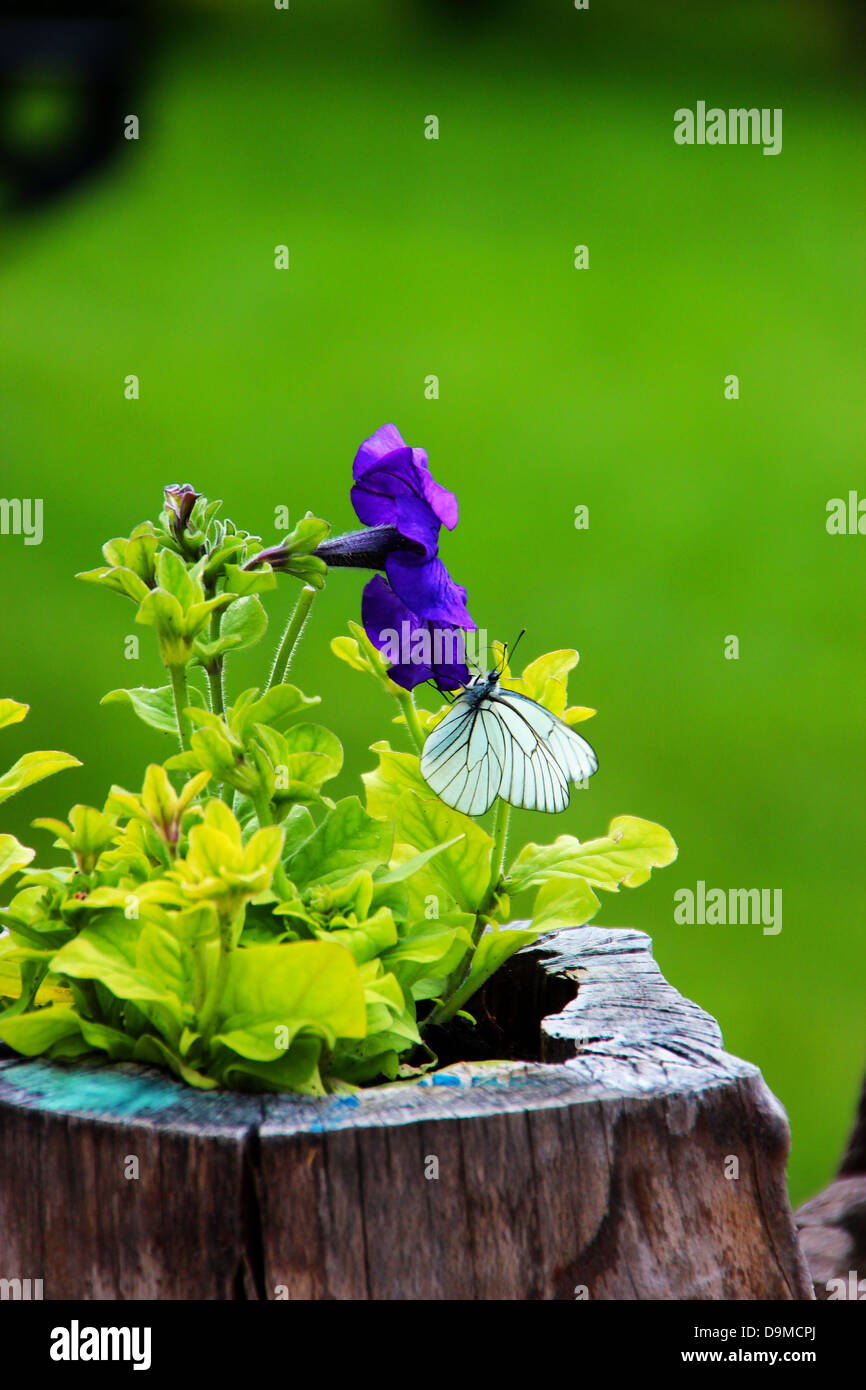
[504,745]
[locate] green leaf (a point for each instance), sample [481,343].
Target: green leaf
[35,1032]
[275,708]
[347,649]
[369,939]
[114,552]
[563,902]
[161,956]
[149,1048]
[496,946]
[33,767]
[358,651]
[296,1070]
[200,614]
[302,984]
[575,714]
[396,773]
[87,834]
[117,577]
[140,553]
[463,869]
[425,958]
[410,866]
[216,755]
[161,611]
[96,955]
[627,855]
[551,666]
[347,839]
[12,712]
[313,754]
[153,707]
[308,568]
[119,1046]
[243,582]
[173,576]
[545,680]
[244,623]
[299,826]
[266,1040]
[307,535]
[13,856]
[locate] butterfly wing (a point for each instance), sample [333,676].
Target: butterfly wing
[546,754]
[504,745]
[465,758]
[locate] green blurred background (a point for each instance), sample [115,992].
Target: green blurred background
[558,387]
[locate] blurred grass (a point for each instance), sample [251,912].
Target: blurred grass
[558,387]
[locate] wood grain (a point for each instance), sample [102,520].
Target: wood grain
[832,1226]
[635,1159]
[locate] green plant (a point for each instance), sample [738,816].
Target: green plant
[232,922]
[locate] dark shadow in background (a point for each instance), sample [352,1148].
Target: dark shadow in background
[67,82]
[70,74]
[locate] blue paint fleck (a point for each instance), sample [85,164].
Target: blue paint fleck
[86,1091]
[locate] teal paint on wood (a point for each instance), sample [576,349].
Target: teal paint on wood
[91,1091]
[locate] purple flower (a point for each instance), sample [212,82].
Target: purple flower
[395,489]
[418,649]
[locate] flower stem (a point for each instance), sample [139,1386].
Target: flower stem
[455,994]
[501,818]
[214,993]
[264,816]
[180,695]
[294,627]
[410,714]
[215,672]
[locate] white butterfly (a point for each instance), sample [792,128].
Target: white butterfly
[495,742]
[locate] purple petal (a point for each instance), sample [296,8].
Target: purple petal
[393,495]
[381,609]
[386,453]
[427,588]
[384,616]
[446,677]
[385,441]
[443,502]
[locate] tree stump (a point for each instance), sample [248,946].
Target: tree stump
[832,1225]
[619,1154]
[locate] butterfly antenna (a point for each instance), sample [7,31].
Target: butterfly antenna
[512,649]
[446,694]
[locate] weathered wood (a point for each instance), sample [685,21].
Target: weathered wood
[832,1226]
[832,1230]
[598,1163]
[855,1153]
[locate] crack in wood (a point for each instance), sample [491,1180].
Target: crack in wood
[594,1157]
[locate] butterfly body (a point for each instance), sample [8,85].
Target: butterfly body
[495,742]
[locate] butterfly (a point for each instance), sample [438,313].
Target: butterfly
[495,742]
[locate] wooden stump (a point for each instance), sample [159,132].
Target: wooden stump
[622,1154]
[832,1225]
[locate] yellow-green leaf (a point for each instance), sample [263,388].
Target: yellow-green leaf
[32,768]
[13,856]
[12,712]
